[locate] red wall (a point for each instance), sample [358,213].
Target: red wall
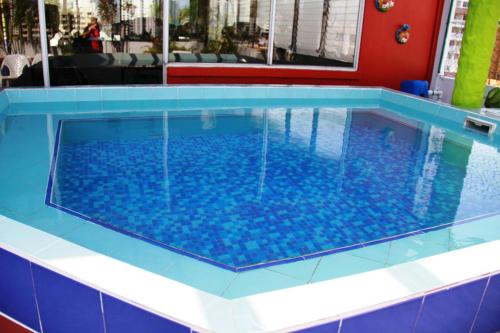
[382,62]
[8,326]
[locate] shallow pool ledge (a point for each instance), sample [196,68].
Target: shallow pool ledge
[185,92]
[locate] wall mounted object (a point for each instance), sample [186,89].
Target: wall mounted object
[384,5]
[403,34]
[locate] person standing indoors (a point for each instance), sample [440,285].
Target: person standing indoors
[92,33]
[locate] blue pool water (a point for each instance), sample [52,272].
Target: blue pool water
[255,186]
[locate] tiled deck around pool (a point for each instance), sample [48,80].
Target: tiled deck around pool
[89,253]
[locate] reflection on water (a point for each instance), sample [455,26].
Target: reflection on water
[257,185]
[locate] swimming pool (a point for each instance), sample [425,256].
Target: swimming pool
[255,206]
[253,186]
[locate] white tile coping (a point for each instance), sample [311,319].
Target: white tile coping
[274,311]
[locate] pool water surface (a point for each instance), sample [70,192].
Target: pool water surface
[254,186]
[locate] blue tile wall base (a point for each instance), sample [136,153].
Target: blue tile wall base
[123,317]
[488,316]
[66,305]
[399,318]
[470,307]
[17,299]
[451,310]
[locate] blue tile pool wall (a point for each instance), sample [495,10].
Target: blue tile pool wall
[161,98]
[17,297]
[34,296]
[439,114]
[470,307]
[86,94]
[4,103]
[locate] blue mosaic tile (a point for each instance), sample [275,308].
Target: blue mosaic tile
[257,187]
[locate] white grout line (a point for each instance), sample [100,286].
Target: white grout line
[480,304]
[102,312]
[340,325]
[229,285]
[314,270]
[36,297]
[419,314]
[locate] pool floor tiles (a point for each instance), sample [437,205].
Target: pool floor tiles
[34,296]
[207,232]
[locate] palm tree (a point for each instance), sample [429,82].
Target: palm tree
[29,15]
[324,28]
[20,10]
[143,19]
[6,11]
[2,38]
[253,16]
[107,10]
[295,26]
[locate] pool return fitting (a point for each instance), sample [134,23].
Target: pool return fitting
[479,125]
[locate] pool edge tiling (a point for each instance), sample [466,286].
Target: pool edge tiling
[301,305]
[70,266]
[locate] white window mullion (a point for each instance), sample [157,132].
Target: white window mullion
[166,8]
[43,43]
[270,43]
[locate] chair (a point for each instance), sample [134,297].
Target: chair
[230,58]
[36,59]
[13,66]
[208,57]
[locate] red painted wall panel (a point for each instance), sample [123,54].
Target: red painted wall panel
[382,61]
[8,326]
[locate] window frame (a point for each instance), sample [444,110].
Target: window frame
[269,64]
[166,64]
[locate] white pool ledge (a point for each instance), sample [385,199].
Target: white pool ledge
[280,310]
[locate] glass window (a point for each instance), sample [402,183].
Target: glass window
[219,31]
[453,44]
[20,43]
[316,32]
[100,42]
[494,74]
